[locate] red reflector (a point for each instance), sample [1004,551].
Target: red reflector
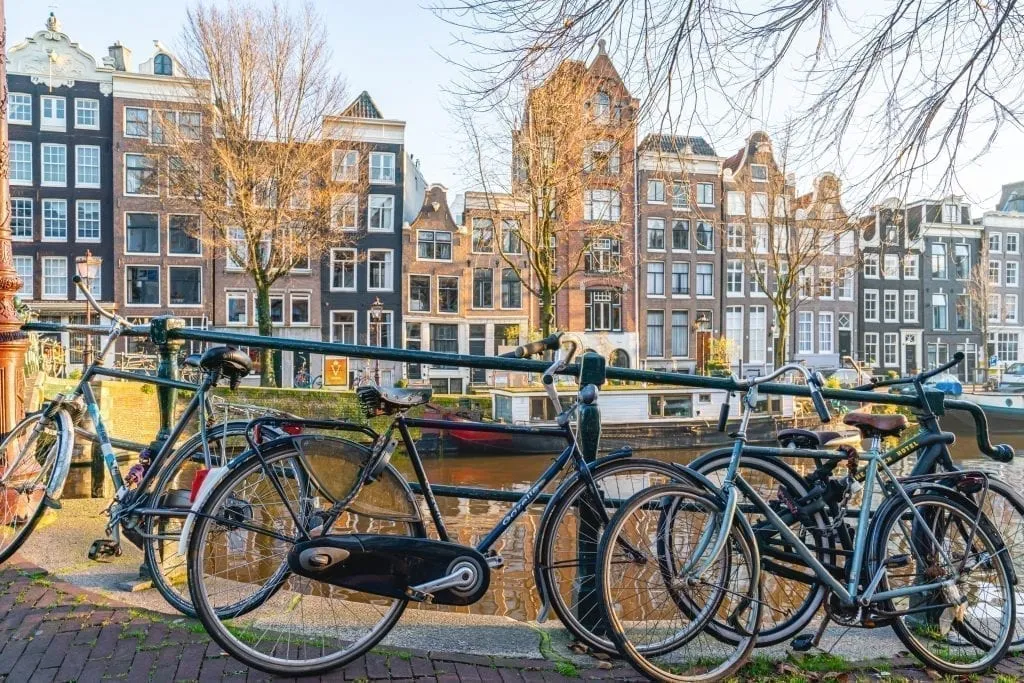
[291,428]
[197,483]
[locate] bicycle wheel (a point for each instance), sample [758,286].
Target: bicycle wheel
[1004,507]
[658,603]
[961,629]
[565,562]
[28,457]
[172,493]
[792,592]
[317,383]
[306,627]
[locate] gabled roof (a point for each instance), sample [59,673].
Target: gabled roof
[435,213]
[363,107]
[677,144]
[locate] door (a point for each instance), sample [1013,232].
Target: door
[845,327]
[909,357]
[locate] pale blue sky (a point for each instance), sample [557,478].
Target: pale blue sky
[390,48]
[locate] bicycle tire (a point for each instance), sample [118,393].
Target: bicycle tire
[272,616]
[30,511]
[317,383]
[985,544]
[587,627]
[681,655]
[779,621]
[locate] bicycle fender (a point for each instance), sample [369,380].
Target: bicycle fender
[212,479]
[55,487]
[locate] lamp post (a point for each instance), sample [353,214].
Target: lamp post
[85,267]
[700,326]
[376,315]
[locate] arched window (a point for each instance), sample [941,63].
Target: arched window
[603,105]
[162,65]
[619,359]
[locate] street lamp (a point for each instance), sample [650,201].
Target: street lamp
[376,315]
[85,268]
[700,326]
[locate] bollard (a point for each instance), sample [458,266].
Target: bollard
[592,371]
[167,369]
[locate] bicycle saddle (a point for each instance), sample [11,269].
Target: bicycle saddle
[376,400]
[192,360]
[871,425]
[229,362]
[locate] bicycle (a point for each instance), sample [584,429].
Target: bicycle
[688,539]
[818,501]
[36,457]
[355,542]
[304,380]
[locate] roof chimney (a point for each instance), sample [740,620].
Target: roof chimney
[120,56]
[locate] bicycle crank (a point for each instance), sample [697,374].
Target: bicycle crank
[420,569]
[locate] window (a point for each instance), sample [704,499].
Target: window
[736,203]
[483,235]
[938,253]
[890,342]
[993,310]
[656,278]
[19,108]
[995,242]
[87,166]
[140,175]
[345,212]
[805,282]
[911,266]
[656,191]
[143,287]
[1004,345]
[757,337]
[345,165]
[238,308]
[910,306]
[760,238]
[846,283]
[21,162]
[343,327]
[190,125]
[871,265]
[940,316]
[681,235]
[186,285]
[87,113]
[734,278]
[236,249]
[382,168]
[343,270]
[1010,308]
[891,267]
[734,237]
[299,309]
[780,240]
[603,310]
[680,196]
[680,278]
[705,194]
[183,235]
[961,261]
[55,164]
[846,243]
[995,272]
[759,204]
[871,305]
[379,270]
[602,205]
[655,334]
[602,106]
[705,236]
[825,333]
[24,266]
[681,333]
[447,295]
[511,241]
[734,331]
[705,279]
[670,406]
[603,256]
[950,213]
[1012,243]
[826,282]
[805,332]
[379,332]
[136,122]
[162,65]
[434,245]
[758,278]
[511,289]
[87,220]
[142,233]
[1012,273]
[871,349]
[656,233]
[55,219]
[602,157]
[54,113]
[21,218]
[483,284]
[382,213]
[890,306]
[55,277]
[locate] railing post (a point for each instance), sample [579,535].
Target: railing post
[167,369]
[592,371]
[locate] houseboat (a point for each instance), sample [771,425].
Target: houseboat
[1004,410]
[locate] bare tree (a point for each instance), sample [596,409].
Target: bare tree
[563,144]
[906,83]
[982,295]
[249,155]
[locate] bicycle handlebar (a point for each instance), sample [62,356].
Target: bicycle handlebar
[80,283]
[550,343]
[814,383]
[998,452]
[958,358]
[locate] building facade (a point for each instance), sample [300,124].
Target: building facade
[1004,232]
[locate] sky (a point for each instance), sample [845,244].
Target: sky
[396,50]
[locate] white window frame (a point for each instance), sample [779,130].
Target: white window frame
[149,123]
[31,216]
[735,237]
[27,275]
[354,323]
[78,166]
[828,327]
[734,267]
[653,196]
[996,267]
[56,202]
[890,296]
[349,201]
[1011,306]
[335,260]
[655,285]
[22,145]
[910,312]
[995,242]
[805,318]
[871,341]
[891,267]
[53,122]
[342,172]
[55,296]
[384,179]
[11,98]
[236,295]
[871,266]
[43,147]
[994,308]
[79,101]
[753,176]
[1016,273]
[388,315]
[873,295]
[911,266]
[369,212]
[124,176]
[895,344]
[736,203]
[436,284]
[1016,243]
[656,224]
[78,220]
[705,187]
[167,292]
[159,239]
[199,238]
[292,297]
[390,261]
[945,305]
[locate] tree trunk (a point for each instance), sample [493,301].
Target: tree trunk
[781,320]
[268,377]
[547,312]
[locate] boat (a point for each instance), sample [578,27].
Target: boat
[1004,410]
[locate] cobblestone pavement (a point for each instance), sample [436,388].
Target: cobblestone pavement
[52,631]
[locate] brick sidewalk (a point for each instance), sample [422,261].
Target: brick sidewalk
[52,631]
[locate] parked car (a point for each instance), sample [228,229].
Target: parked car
[945,382]
[1012,379]
[848,377]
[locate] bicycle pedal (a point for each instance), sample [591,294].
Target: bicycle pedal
[803,642]
[103,548]
[897,561]
[418,596]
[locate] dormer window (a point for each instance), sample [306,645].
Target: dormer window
[759,173]
[602,105]
[162,65]
[950,213]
